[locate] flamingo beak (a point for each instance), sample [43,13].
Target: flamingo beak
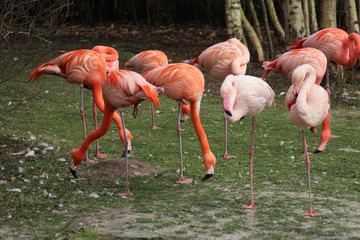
[226,106]
[160,90]
[209,173]
[73,169]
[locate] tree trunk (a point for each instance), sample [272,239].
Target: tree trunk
[294,20]
[233,19]
[279,30]
[266,23]
[312,16]
[255,19]
[305,5]
[250,32]
[351,17]
[327,14]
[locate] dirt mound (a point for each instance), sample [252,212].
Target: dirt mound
[115,168]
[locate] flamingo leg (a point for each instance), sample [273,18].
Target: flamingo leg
[182,180]
[97,154]
[251,205]
[127,191]
[225,154]
[153,117]
[82,114]
[311,212]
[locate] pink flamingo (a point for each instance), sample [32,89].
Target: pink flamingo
[222,59]
[121,89]
[288,62]
[183,81]
[309,105]
[246,96]
[148,60]
[88,69]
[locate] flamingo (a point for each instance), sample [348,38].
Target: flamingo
[288,62]
[183,81]
[308,104]
[148,60]
[88,69]
[246,96]
[121,89]
[222,59]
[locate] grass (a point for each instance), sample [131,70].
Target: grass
[52,205]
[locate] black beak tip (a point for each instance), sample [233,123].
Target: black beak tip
[207,176]
[317,151]
[228,113]
[123,155]
[73,172]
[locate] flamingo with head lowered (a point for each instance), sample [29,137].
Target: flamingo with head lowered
[148,60]
[88,69]
[222,59]
[121,89]
[308,104]
[183,81]
[246,96]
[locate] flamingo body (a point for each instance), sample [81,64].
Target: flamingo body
[148,60]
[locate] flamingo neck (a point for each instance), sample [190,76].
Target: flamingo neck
[354,50]
[195,119]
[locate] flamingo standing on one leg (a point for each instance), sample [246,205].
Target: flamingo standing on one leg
[222,59]
[288,62]
[309,105]
[121,89]
[183,81]
[148,60]
[246,96]
[86,68]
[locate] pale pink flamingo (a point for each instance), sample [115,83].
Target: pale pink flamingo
[309,106]
[148,60]
[288,62]
[183,81]
[246,96]
[88,69]
[121,89]
[222,59]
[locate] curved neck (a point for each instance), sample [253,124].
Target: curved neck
[309,80]
[195,119]
[354,49]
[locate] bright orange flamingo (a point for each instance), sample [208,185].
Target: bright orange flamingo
[246,96]
[309,105]
[222,59]
[86,68]
[121,89]
[148,60]
[288,62]
[183,81]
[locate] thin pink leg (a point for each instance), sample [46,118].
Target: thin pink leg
[311,212]
[251,205]
[153,117]
[182,180]
[83,122]
[127,191]
[97,154]
[225,154]
[327,87]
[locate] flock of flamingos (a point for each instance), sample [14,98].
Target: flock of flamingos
[305,63]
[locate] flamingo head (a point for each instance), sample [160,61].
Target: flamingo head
[210,162]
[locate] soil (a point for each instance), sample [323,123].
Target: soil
[114,168]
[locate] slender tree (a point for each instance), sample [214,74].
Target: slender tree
[279,30]
[233,19]
[351,17]
[294,20]
[327,14]
[312,17]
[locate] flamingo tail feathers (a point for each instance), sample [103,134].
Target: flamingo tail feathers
[296,45]
[37,73]
[152,95]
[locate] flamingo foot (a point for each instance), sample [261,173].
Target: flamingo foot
[100,155]
[90,161]
[225,155]
[311,213]
[185,181]
[156,128]
[125,194]
[250,206]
